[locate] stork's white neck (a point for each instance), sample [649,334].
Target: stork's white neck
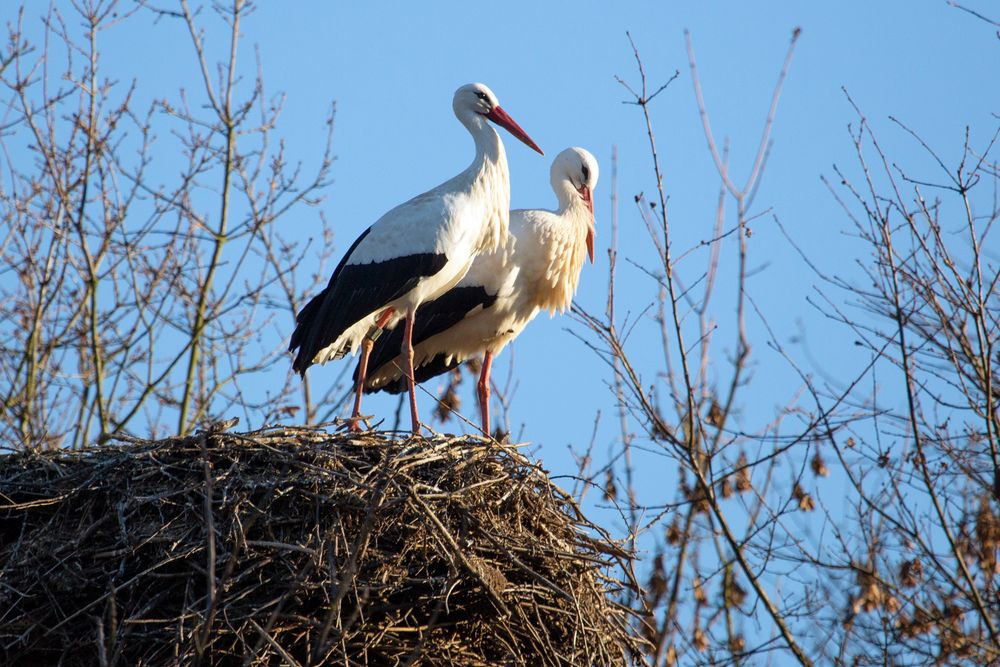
[489,147]
[488,179]
[569,198]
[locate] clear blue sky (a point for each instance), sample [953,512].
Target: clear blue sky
[392,68]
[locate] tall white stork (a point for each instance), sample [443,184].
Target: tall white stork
[414,253]
[504,290]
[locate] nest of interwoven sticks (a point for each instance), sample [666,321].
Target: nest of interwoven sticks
[296,546]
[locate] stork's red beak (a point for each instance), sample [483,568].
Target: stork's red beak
[585,196]
[503,119]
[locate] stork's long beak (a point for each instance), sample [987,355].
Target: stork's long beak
[503,119]
[585,196]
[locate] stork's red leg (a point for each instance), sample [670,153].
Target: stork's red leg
[407,352]
[484,391]
[366,349]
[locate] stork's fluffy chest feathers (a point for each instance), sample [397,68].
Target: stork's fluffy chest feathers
[538,268]
[550,250]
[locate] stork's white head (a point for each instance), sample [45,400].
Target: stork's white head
[574,176]
[476,100]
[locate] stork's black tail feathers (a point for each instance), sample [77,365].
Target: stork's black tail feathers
[303,325]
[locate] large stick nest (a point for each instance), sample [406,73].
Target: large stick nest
[294,546]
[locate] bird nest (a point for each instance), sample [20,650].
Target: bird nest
[295,546]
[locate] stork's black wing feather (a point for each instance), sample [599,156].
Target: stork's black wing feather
[306,316]
[431,319]
[355,291]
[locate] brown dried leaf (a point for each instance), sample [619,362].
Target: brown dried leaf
[674,533]
[610,490]
[696,497]
[743,475]
[806,503]
[699,591]
[700,640]
[657,585]
[714,416]
[818,465]
[987,526]
[911,572]
[449,402]
[734,595]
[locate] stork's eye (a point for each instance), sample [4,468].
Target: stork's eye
[481,95]
[586,173]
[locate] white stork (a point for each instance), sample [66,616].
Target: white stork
[504,290]
[414,253]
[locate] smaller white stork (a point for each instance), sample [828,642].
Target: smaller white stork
[414,253]
[539,268]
